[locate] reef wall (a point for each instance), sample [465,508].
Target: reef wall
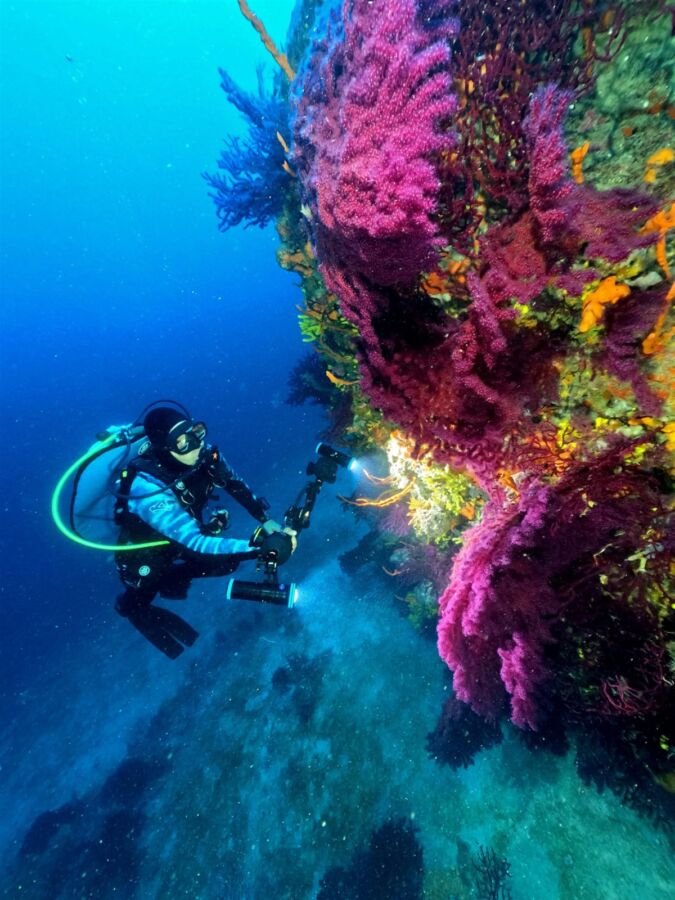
[477,200]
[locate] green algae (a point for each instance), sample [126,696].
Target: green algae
[628,115]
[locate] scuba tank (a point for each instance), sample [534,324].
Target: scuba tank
[95,485]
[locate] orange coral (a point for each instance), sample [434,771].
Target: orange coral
[661,157]
[435,284]
[666,428]
[608,291]
[300,261]
[577,156]
[284,146]
[550,451]
[450,280]
[662,222]
[656,342]
[376,479]
[656,161]
[386,498]
[669,431]
[339,382]
[280,58]
[468,511]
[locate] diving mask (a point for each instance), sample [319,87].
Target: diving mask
[185,437]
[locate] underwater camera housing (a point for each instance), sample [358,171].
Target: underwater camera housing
[275,548]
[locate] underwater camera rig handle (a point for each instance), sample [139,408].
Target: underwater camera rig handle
[323,470]
[276,548]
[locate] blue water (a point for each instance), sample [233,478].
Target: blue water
[281,743]
[117,288]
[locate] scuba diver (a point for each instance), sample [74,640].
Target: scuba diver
[152,512]
[162,499]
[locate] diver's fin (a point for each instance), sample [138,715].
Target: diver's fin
[177,627]
[164,630]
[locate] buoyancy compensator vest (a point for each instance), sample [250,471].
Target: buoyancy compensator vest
[192,487]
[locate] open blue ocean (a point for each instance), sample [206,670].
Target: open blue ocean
[290,753]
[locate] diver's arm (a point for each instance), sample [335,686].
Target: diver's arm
[164,514]
[224,476]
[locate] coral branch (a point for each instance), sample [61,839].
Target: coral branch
[279,57]
[250,185]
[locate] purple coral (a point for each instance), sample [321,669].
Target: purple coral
[532,569]
[417,563]
[370,108]
[468,386]
[495,610]
[458,385]
[550,188]
[626,325]
[576,220]
[608,222]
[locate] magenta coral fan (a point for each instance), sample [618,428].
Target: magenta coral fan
[531,570]
[576,220]
[459,386]
[370,109]
[495,610]
[550,188]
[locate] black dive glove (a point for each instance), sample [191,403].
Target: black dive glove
[218,523]
[274,542]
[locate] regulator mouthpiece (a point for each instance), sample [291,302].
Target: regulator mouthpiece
[263,592]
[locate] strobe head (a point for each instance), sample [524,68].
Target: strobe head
[326,466]
[338,457]
[263,592]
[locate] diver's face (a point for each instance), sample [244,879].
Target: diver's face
[187,459]
[186,440]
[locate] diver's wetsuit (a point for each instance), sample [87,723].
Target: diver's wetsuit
[148,513]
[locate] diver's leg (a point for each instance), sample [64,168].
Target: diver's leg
[175,582]
[133,600]
[196,566]
[142,580]
[136,607]
[210,566]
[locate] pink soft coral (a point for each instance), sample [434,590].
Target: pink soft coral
[369,113]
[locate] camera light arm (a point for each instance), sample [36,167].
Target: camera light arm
[275,548]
